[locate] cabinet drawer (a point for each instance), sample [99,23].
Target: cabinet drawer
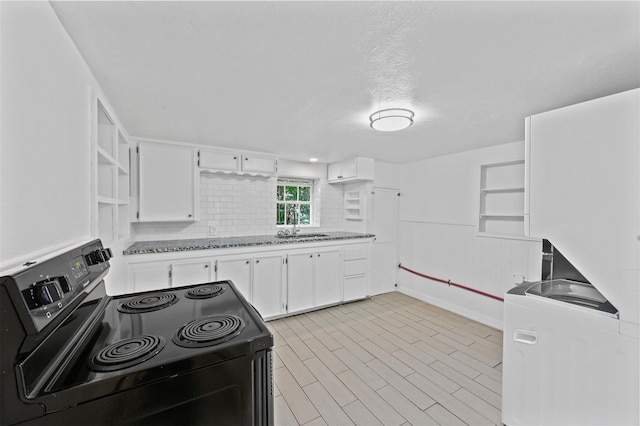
[355,288]
[355,267]
[356,253]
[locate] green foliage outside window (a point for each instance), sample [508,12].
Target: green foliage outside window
[293,202]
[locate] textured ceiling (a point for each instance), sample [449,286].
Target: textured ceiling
[301,78]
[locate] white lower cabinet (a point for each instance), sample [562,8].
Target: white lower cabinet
[188,273]
[356,272]
[269,284]
[314,279]
[327,276]
[300,292]
[260,279]
[149,276]
[237,270]
[276,282]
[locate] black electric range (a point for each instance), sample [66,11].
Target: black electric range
[198,354]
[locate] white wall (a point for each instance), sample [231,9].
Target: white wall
[439,235]
[387,175]
[45,176]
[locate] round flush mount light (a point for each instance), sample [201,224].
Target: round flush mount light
[392,119]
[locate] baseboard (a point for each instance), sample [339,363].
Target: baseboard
[488,321]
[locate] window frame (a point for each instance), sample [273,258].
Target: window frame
[299,183]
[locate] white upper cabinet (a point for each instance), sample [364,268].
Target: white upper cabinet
[258,164]
[221,161]
[352,170]
[168,187]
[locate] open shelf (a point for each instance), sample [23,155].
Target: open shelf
[112,177]
[353,205]
[502,198]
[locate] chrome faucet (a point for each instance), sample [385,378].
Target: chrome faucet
[292,216]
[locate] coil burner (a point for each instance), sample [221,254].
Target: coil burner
[208,331]
[204,291]
[126,353]
[148,302]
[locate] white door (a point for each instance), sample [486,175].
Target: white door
[268,279]
[237,270]
[384,265]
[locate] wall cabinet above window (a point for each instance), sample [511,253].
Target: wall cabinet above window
[219,161]
[352,170]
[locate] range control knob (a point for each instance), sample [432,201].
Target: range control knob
[98,256]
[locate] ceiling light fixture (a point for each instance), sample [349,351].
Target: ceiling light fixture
[392,119]
[313,160]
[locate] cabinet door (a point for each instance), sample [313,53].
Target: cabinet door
[149,276]
[349,169]
[327,278]
[333,172]
[210,159]
[251,163]
[237,270]
[344,170]
[167,183]
[268,279]
[188,273]
[300,282]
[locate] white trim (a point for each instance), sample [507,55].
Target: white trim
[438,222]
[508,237]
[195,145]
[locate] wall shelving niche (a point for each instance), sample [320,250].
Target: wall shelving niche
[502,198]
[112,188]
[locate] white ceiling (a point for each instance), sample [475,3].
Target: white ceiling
[300,79]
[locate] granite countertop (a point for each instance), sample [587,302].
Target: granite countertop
[146,247]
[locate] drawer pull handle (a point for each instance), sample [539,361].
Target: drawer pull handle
[525,336]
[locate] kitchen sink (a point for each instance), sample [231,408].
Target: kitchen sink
[297,236]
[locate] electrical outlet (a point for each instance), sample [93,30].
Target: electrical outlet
[213,229]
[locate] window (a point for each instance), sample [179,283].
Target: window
[294,202]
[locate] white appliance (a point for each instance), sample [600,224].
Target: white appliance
[568,363]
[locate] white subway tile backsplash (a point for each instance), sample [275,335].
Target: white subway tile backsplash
[242,206]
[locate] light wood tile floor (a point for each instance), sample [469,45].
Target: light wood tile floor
[389,360]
